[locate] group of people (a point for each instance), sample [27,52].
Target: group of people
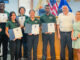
[67,24]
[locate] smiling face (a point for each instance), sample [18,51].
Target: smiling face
[13,17]
[2,6]
[78,16]
[32,13]
[22,11]
[65,10]
[47,9]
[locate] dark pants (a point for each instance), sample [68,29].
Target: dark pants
[66,40]
[50,38]
[14,49]
[4,42]
[23,43]
[32,42]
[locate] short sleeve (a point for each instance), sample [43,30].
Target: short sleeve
[54,19]
[41,20]
[7,24]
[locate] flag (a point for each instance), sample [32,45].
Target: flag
[62,3]
[53,7]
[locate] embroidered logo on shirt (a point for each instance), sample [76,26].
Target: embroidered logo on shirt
[50,17]
[35,21]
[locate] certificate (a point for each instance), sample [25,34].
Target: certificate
[35,29]
[51,27]
[3,17]
[22,20]
[15,33]
[44,27]
[48,27]
[32,28]
[28,28]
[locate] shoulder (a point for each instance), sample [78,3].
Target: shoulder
[28,19]
[42,16]
[61,14]
[6,12]
[52,15]
[70,13]
[26,16]
[8,22]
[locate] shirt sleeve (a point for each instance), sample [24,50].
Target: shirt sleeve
[7,24]
[58,20]
[54,19]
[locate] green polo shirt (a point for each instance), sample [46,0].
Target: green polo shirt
[48,18]
[12,25]
[29,21]
[2,25]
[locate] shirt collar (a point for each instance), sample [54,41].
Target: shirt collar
[67,14]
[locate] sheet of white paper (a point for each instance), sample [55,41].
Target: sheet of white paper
[15,33]
[51,27]
[35,29]
[22,20]
[3,17]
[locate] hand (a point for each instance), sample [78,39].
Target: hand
[0,29]
[59,36]
[35,34]
[14,39]
[29,34]
[79,36]
[50,32]
[46,32]
[19,38]
[74,39]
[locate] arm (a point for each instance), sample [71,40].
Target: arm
[58,31]
[73,38]
[6,31]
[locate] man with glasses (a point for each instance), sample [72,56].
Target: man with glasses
[64,23]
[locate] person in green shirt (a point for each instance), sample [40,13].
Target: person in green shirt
[22,11]
[32,39]
[15,43]
[3,37]
[48,36]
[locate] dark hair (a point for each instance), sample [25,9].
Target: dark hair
[78,11]
[10,15]
[47,6]
[31,10]
[21,8]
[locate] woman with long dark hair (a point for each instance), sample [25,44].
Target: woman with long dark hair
[15,43]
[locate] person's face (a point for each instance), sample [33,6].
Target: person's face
[13,17]
[2,6]
[32,14]
[47,9]
[22,11]
[78,16]
[65,10]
